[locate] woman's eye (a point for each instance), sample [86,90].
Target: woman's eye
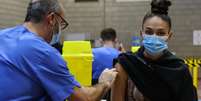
[161,34]
[149,32]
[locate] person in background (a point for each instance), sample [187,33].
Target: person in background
[153,73]
[103,56]
[32,70]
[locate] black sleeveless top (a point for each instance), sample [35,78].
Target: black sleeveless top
[167,79]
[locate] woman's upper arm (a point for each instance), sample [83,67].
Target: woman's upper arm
[120,84]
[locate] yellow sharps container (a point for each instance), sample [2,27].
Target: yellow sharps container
[78,55]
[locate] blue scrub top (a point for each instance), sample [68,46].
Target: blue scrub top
[103,58]
[30,69]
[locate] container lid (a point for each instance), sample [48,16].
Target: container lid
[76,48]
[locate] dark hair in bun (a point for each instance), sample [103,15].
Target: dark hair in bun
[159,8]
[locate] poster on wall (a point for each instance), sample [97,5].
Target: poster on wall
[131,0]
[197,37]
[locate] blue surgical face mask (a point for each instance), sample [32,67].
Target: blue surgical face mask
[154,45]
[56,36]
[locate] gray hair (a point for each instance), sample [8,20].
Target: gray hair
[38,9]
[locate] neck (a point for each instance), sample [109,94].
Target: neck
[108,44]
[150,57]
[36,28]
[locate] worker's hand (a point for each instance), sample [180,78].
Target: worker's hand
[108,77]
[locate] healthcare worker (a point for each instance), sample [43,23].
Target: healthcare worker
[32,70]
[103,56]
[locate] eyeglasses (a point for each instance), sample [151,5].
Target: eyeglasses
[64,23]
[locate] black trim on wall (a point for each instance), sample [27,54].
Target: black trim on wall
[86,0]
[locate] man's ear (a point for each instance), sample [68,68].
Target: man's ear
[101,41]
[50,18]
[115,40]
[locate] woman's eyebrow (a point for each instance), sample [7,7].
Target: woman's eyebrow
[149,28]
[161,29]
